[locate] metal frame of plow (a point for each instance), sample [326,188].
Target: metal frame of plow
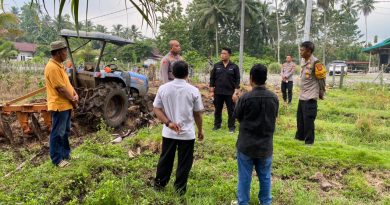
[24,113]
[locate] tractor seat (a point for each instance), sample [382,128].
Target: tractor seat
[88,66]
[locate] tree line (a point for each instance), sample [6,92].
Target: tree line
[273,29]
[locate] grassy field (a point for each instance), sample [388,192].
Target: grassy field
[348,164]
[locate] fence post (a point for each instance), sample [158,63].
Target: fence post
[381,77]
[341,77]
[333,78]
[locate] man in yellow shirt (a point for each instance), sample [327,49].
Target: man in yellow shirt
[61,99]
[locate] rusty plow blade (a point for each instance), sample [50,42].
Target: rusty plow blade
[27,115]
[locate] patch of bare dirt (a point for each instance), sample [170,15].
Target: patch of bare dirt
[380,181]
[325,183]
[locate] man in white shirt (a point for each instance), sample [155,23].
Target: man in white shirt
[177,105]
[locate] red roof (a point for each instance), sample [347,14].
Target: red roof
[25,47]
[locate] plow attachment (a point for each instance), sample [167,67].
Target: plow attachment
[28,115]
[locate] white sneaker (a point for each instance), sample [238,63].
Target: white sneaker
[234,202]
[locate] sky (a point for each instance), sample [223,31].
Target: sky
[377,20]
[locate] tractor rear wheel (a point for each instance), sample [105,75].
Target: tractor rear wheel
[115,107]
[108,101]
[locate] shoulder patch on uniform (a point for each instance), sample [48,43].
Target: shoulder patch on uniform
[165,61]
[319,66]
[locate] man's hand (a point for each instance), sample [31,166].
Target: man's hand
[200,135]
[74,104]
[175,127]
[211,91]
[76,97]
[75,100]
[235,97]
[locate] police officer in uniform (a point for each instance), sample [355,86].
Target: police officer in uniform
[168,60]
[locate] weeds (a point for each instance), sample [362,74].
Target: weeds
[365,126]
[351,141]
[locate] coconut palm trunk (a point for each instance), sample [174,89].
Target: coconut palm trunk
[365,20]
[216,40]
[325,38]
[309,7]
[297,39]
[278,29]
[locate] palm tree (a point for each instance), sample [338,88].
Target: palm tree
[135,33]
[101,28]
[212,14]
[264,22]
[325,4]
[293,9]
[366,6]
[117,29]
[146,8]
[349,7]
[88,25]
[8,26]
[252,11]
[278,28]
[249,12]
[309,8]
[15,10]
[63,22]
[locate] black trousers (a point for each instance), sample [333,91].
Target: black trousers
[219,100]
[306,115]
[287,86]
[185,158]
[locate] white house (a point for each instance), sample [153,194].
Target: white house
[26,50]
[154,58]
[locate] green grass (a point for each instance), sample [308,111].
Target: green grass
[352,141]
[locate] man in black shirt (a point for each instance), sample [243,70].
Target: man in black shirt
[224,86]
[256,111]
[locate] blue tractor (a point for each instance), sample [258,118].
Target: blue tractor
[105,91]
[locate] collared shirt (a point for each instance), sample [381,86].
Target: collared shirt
[288,70]
[257,111]
[166,66]
[225,79]
[179,100]
[309,83]
[56,77]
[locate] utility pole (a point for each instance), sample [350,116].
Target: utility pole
[241,63]
[309,7]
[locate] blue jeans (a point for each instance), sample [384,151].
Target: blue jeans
[60,130]
[263,170]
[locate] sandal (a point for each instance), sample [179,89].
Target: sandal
[63,164]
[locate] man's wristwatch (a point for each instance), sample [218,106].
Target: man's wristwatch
[167,123]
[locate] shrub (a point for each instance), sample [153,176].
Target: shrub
[274,68]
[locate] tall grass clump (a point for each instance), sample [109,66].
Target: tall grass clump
[365,127]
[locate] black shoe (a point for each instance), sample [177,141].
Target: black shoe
[181,192]
[232,130]
[309,144]
[157,186]
[299,139]
[216,128]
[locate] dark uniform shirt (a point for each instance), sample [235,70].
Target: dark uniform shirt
[257,111]
[225,79]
